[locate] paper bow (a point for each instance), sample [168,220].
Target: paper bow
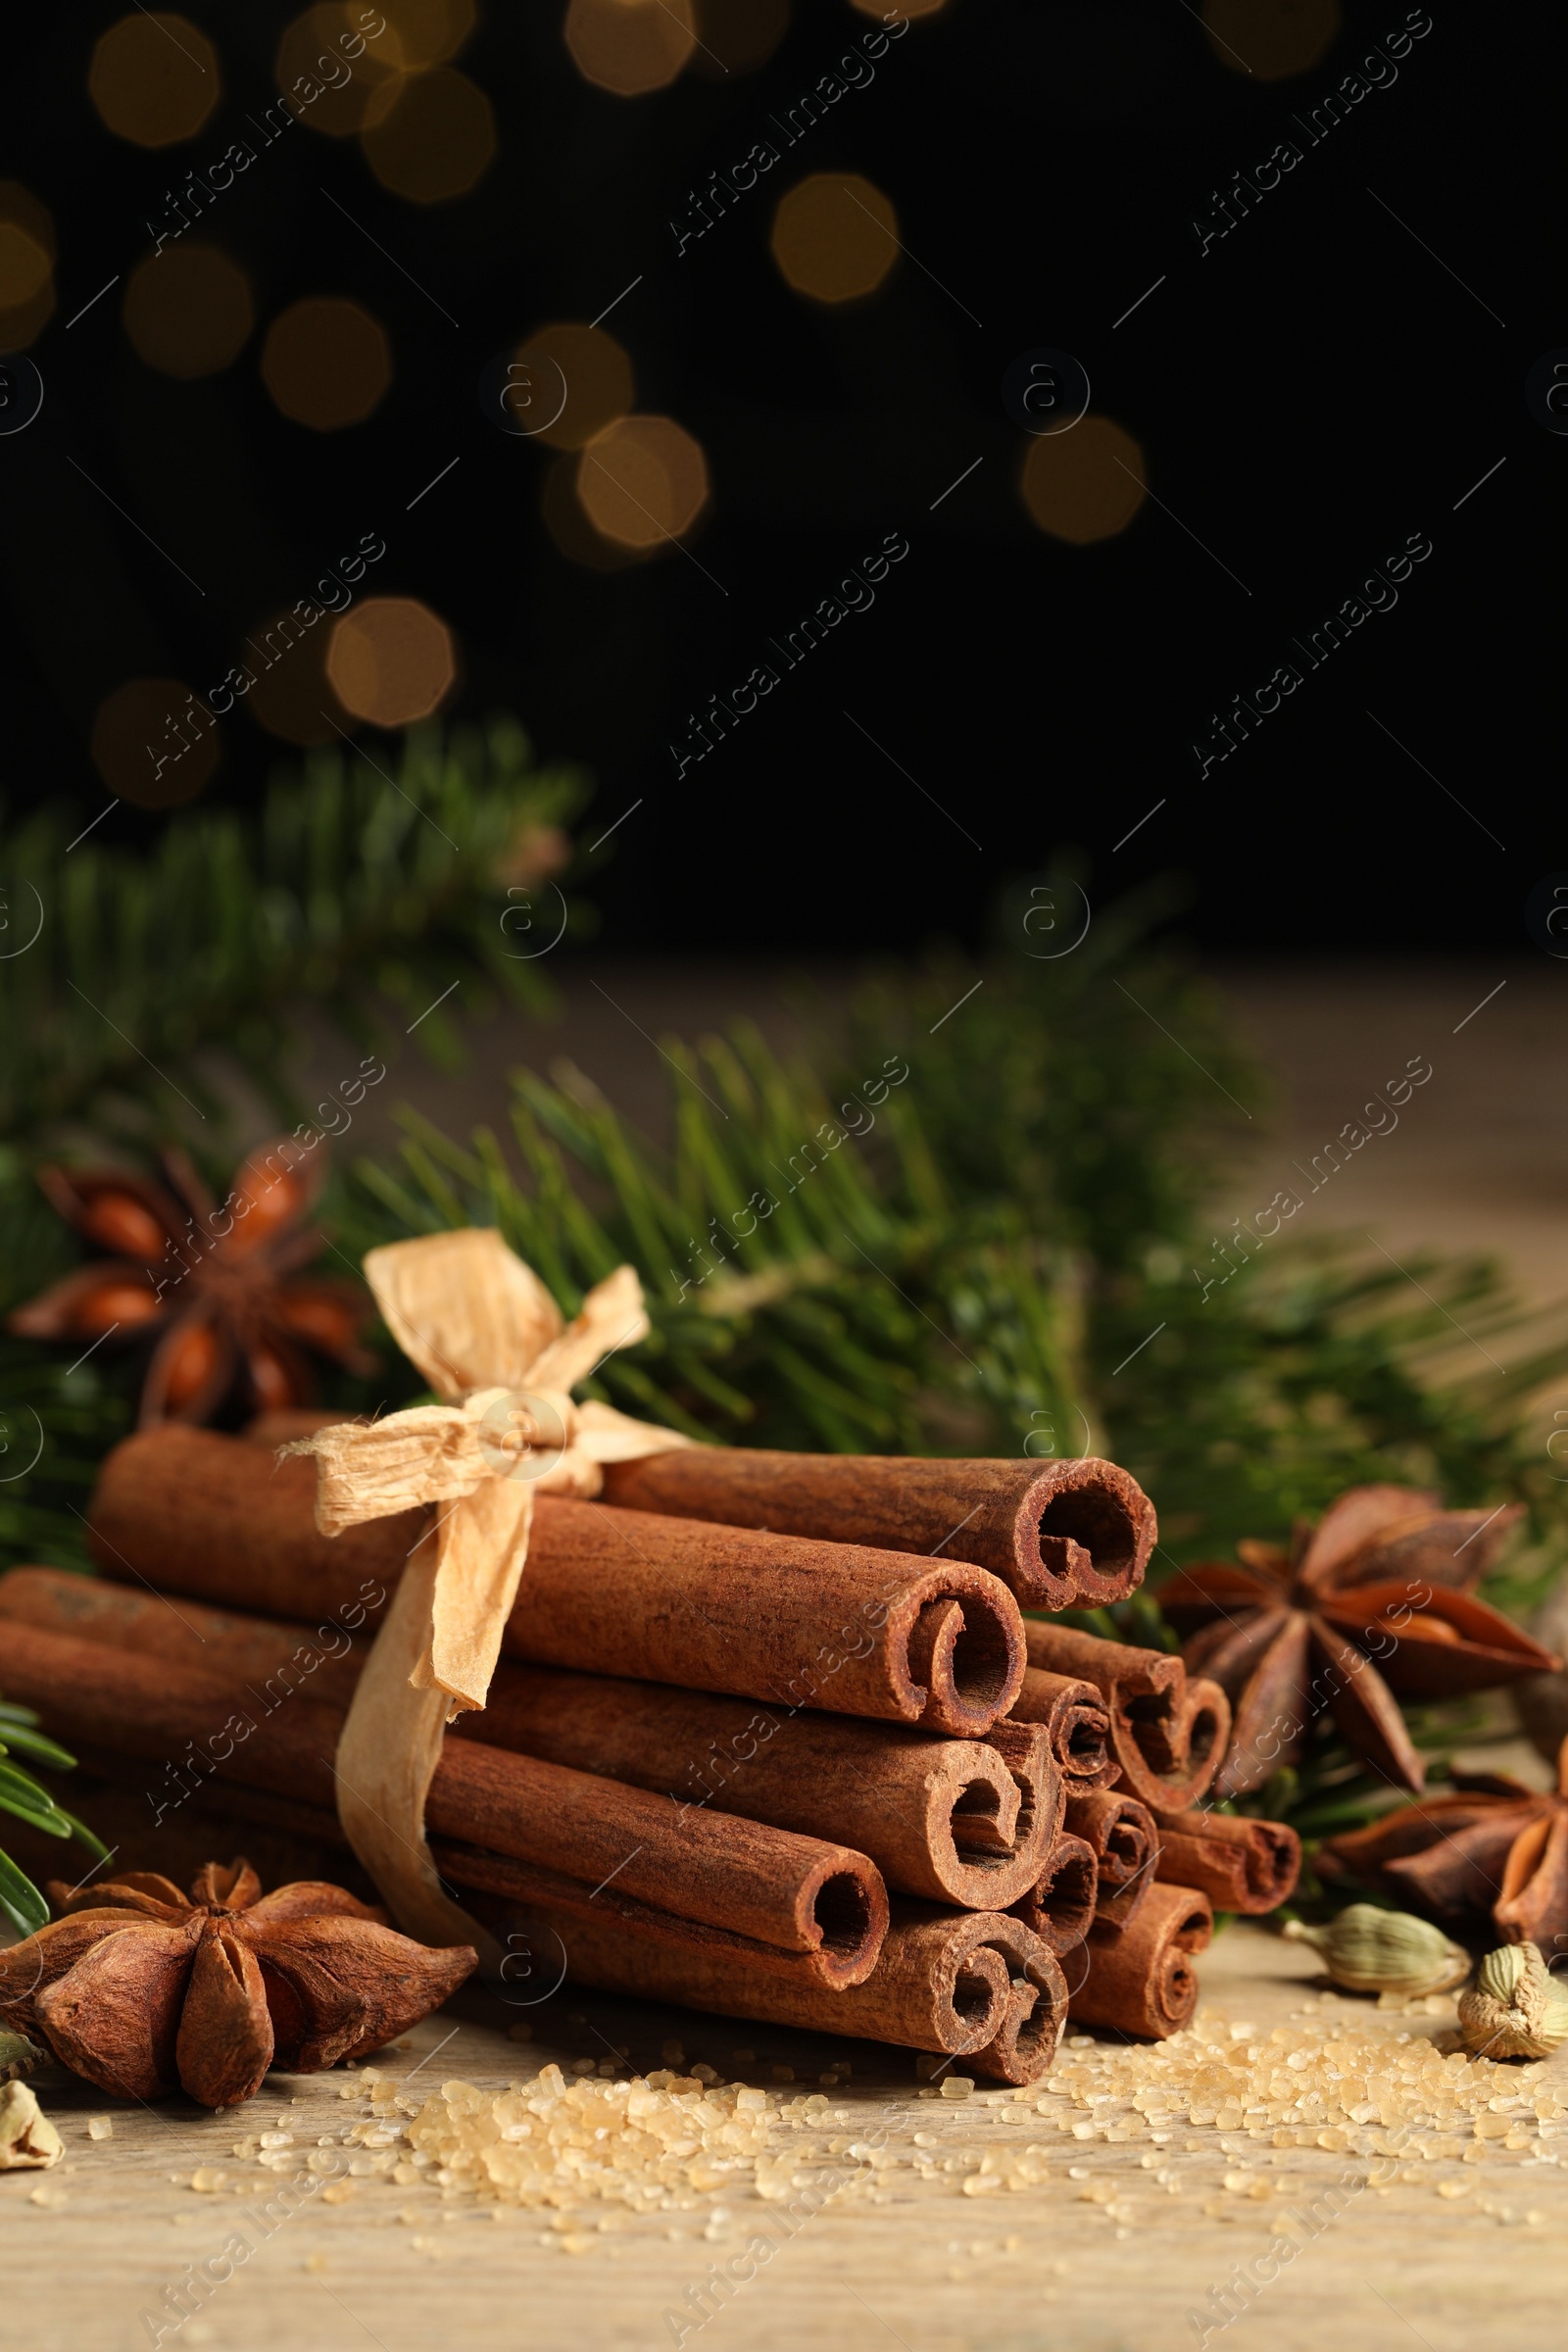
[487,1335]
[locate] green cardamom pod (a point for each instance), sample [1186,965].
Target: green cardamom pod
[1367,1949]
[1516,2007]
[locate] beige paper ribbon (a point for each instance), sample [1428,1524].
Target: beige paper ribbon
[489,1338]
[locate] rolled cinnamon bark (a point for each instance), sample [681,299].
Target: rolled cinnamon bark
[956,1820]
[943,1981]
[186,1510]
[1167,1733]
[953,1820]
[834,1625]
[797,1894]
[1141,1979]
[1060,1534]
[1078,1721]
[1241,1864]
[1031,2029]
[1060,1907]
[263,1655]
[1121,1835]
[806,1624]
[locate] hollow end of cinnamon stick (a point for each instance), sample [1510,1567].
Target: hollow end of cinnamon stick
[1087,1530]
[1035,2015]
[1242,1864]
[1060,1907]
[970,1659]
[1142,1979]
[1075,1716]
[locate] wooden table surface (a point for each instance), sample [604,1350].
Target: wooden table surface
[91,2245]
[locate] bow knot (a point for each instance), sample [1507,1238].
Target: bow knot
[492,1343]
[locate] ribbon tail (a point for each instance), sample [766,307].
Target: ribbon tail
[483,1543]
[386,1760]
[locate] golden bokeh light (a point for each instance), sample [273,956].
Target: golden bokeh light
[154,742]
[1270,39]
[570,530]
[391,660]
[291,695]
[835,236]
[630,46]
[425,33]
[642,481]
[585,363]
[736,36]
[27,265]
[329,71]
[1084,485]
[430,136]
[153,78]
[326,362]
[188,311]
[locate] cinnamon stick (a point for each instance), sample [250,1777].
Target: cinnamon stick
[1167,1733]
[1125,1843]
[1078,1721]
[1241,1864]
[1060,1907]
[186,1510]
[801,1623]
[944,1980]
[953,1820]
[956,1820]
[834,1625]
[1061,1534]
[797,1894]
[263,1655]
[1140,1978]
[1036,2014]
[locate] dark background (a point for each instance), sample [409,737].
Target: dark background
[1309,394]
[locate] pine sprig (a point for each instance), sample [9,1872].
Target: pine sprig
[364,883]
[26,1799]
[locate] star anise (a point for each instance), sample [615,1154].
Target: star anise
[219,1285]
[1497,1847]
[138,1989]
[1385,1575]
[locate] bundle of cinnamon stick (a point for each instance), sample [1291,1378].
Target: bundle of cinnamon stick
[758,1742]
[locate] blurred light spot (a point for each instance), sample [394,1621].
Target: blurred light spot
[736,36]
[326,362]
[572,532]
[1270,38]
[188,311]
[330,71]
[643,480]
[153,742]
[390,661]
[1084,485]
[629,47]
[834,236]
[600,385]
[430,136]
[424,33]
[27,265]
[906,8]
[292,695]
[153,78]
